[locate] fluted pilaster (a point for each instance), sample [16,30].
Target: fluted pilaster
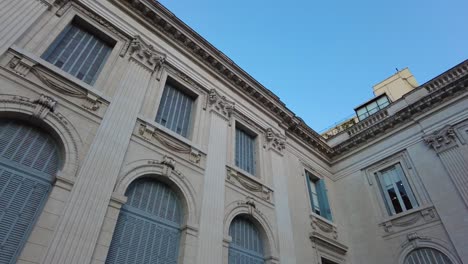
[78,230]
[448,148]
[16,16]
[212,212]
[283,213]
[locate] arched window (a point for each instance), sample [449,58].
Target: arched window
[427,256]
[148,228]
[247,245]
[28,163]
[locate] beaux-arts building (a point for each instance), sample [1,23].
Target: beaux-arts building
[125,137]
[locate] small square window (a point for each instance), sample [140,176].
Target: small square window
[79,51]
[318,196]
[326,261]
[395,189]
[175,110]
[245,151]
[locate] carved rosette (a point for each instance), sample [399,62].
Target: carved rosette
[220,104]
[146,55]
[275,141]
[442,140]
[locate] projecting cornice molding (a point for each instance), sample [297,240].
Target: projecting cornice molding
[161,20]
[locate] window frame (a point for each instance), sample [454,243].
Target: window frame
[409,191]
[370,111]
[186,92]
[412,178]
[324,206]
[254,137]
[195,92]
[47,35]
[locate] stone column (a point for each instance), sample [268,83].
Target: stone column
[276,145]
[449,149]
[78,230]
[16,16]
[210,240]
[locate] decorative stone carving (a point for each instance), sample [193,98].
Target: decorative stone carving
[235,177]
[222,105]
[250,204]
[151,134]
[399,223]
[168,167]
[146,55]
[21,66]
[320,225]
[414,239]
[319,240]
[275,141]
[442,140]
[44,105]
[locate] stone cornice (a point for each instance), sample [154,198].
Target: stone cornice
[165,23]
[170,26]
[438,96]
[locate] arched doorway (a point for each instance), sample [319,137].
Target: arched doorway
[426,256]
[29,160]
[247,245]
[149,225]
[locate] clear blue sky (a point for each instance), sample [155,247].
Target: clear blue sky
[323,57]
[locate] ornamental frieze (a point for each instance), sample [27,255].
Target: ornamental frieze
[442,140]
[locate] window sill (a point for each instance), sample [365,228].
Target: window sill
[36,60]
[409,219]
[249,182]
[170,141]
[323,226]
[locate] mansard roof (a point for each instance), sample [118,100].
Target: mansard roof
[447,85]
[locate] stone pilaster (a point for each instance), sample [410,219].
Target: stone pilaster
[276,146]
[76,236]
[16,16]
[450,151]
[210,247]
[445,143]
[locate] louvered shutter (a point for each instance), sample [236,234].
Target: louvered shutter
[28,162]
[427,256]
[246,246]
[148,227]
[323,200]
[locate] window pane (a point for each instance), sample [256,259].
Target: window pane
[383,101]
[372,108]
[245,151]
[175,110]
[396,189]
[79,53]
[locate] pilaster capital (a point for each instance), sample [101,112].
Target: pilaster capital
[442,140]
[146,54]
[220,104]
[275,141]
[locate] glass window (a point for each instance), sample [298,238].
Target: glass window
[245,151]
[78,52]
[318,196]
[396,190]
[383,102]
[175,110]
[372,107]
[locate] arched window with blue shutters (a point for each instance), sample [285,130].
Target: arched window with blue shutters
[247,245]
[148,227]
[28,163]
[427,256]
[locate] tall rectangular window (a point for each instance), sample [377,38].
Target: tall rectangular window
[79,52]
[318,196]
[175,110]
[395,189]
[245,151]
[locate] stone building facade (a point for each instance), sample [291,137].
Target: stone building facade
[125,137]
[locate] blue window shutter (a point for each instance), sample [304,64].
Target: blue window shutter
[323,200]
[148,227]
[246,246]
[28,162]
[79,53]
